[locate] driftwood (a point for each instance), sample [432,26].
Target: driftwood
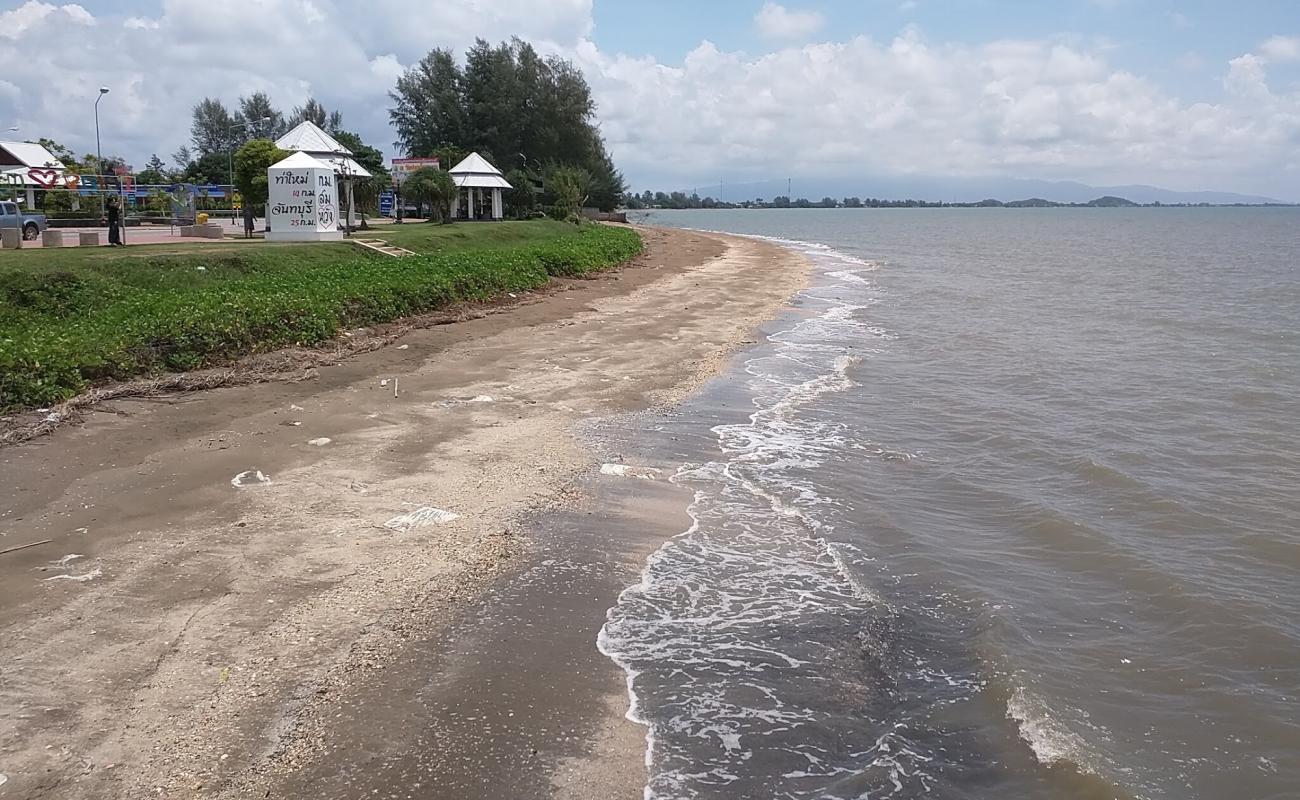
[16,548]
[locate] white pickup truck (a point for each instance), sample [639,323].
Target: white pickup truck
[11,218]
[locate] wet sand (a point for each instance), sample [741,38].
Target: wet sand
[323,632]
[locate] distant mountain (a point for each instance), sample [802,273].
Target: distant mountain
[963,190]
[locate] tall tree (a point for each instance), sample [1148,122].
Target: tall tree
[212,129]
[154,173]
[182,158]
[313,111]
[428,112]
[263,119]
[207,168]
[251,163]
[526,110]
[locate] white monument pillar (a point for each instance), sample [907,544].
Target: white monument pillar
[303,201]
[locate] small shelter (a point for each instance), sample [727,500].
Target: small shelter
[30,167]
[479,185]
[308,137]
[302,202]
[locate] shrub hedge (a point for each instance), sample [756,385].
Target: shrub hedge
[61,331]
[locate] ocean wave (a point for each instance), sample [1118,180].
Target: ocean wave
[1050,739]
[740,624]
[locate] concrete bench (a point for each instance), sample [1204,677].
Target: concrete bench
[11,239]
[51,238]
[88,238]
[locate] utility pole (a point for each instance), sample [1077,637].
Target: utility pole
[99,155]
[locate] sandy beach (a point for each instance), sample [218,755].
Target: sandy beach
[385,581]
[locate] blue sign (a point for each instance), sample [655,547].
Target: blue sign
[386,204]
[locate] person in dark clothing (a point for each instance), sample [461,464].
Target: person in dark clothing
[114,223]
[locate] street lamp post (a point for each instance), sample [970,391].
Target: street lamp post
[246,123]
[99,155]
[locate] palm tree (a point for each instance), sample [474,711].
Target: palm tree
[435,187]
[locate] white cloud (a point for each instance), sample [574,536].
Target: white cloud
[1022,108]
[775,21]
[1057,108]
[1281,48]
[16,22]
[160,64]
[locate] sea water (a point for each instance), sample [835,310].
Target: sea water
[1005,506]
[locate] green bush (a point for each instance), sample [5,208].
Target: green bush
[61,331]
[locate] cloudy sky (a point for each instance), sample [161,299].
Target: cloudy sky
[1198,94]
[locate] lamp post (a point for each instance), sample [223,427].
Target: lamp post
[99,155]
[231,130]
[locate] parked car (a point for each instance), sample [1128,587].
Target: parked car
[11,217]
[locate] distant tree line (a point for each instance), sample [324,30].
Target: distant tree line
[682,200]
[532,117]
[679,200]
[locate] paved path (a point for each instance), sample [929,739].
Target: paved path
[152,234]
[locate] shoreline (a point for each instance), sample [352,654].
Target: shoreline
[181,633]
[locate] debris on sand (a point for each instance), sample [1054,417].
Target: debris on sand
[321,442]
[239,480]
[82,578]
[420,517]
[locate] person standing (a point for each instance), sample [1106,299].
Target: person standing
[114,222]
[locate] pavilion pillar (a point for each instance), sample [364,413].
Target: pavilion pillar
[352,207]
[473,202]
[497,211]
[455,204]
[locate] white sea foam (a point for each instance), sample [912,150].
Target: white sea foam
[700,636]
[1049,737]
[629,471]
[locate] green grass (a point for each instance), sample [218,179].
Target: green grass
[422,237]
[72,318]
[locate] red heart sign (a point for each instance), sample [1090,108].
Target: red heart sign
[44,176]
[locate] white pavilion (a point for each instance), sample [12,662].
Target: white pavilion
[308,137]
[478,183]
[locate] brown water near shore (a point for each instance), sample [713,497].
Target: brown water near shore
[183,636]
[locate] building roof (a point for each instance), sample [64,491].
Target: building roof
[475,171]
[32,155]
[309,137]
[302,160]
[345,166]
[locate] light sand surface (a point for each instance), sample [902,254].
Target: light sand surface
[193,628]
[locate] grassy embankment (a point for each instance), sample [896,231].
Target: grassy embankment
[72,318]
